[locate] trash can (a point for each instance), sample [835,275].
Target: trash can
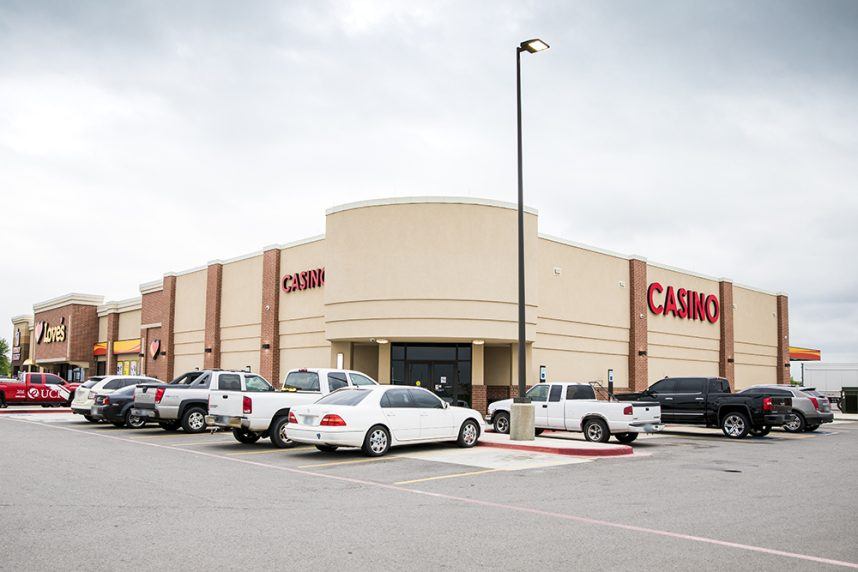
[849,400]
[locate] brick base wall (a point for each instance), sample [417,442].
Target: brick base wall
[478,398]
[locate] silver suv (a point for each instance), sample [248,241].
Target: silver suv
[808,411]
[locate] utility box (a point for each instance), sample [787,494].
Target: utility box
[849,400]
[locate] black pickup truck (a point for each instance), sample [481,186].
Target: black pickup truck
[707,401]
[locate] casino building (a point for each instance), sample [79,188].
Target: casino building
[422,291]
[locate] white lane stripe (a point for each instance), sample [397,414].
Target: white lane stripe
[476,502]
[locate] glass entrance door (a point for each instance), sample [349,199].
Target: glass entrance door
[444,369]
[441,378]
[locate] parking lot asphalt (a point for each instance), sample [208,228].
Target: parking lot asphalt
[83,496]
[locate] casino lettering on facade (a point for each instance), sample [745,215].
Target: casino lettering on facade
[682,303]
[303,280]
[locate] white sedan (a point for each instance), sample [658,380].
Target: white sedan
[380,417]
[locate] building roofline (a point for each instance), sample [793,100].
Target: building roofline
[22,318]
[119,306]
[67,299]
[153,286]
[427,200]
[583,246]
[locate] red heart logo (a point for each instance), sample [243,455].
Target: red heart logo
[40,329]
[154,348]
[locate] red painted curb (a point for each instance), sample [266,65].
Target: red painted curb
[28,411]
[618,451]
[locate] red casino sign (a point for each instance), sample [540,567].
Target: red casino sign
[303,280]
[682,303]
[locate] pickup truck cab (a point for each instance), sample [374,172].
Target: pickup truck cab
[574,407]
[253,410]
[45,389]
[707,401]
[184,402]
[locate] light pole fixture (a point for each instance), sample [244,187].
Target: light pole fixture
[521,424]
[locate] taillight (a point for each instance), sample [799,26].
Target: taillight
[105,400]
[246,405]
[815,403]
[292,418]
[331,420]
[159,393]
[767,404]
[627,410]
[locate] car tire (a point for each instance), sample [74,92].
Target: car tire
[245,436]
[133,421]
[469,434]
[377,441]
[626,438]
[501,423]
[596,430]
[761,431]
[89,418]
[170,426]
[538,431]
[118,424]
[3,402]
[194,419]
[735,425]
[278,433]
[796,424]
[327,448]
[810,428]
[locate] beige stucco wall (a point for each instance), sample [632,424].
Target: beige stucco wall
[365,359]
[426,271]
[583,324]
[755,337]
[102,328]
[497,365]
[680,347]
[302,321]
[240,313]
[129,324]
[190,321]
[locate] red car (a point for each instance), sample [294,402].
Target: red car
[45,389]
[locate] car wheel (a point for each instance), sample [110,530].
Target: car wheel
[245,436]
[468,434]
[811,427]
[278,433]
[327,448]
[735,425]
[171,426]
[538,431]
[596,430]
[377,441]
[626,437]
[501,423]
[89,418]
[796,424]
[134,421]
[194,420]
[118,424]
[761,431]
[3,402]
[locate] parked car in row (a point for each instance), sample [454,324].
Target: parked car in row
[808,411]
[253,410]
[84,398]
[708,401]
[376,418]
[45,389]
[574,407]
[116,407]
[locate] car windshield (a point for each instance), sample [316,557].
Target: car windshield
[812,392]
[91,381]
[344,397]
[302,381]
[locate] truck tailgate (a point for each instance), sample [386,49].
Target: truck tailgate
[646,411]
[144,396]
[227,403]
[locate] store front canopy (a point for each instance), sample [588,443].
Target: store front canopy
[804,354]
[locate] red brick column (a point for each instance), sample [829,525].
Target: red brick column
[479,398]
[214,283]
[269,357]
[783,339]
[726,366]
[638,326]
[168,318]
[112,335]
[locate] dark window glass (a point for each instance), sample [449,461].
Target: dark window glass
[187,378]
[664,386]
[35,379]
[719,386]
[751,391]
[359,379]
[54,380]
[202,381]
[345,397]
[556,392]
[397,398]
[397,351]
[114,384]
[127,390]
[464,353]
[812,392]
[397,372]
[92,381]
[538,392]
[337,380]
[431,353]
[256,383]
[777,392]
[424,399]
[580,392]
[302,381]
[689,385]
[229,382]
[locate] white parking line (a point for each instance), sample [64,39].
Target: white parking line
[476,502]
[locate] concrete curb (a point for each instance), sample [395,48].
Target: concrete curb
[614,451]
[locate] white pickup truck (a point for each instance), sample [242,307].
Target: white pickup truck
[256,412]
[574,407]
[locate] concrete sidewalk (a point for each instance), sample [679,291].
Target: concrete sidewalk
[555,446]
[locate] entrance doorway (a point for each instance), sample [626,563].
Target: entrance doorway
[444,369]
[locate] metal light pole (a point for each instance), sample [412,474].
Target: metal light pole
[522,414]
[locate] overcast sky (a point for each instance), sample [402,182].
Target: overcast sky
[721,137]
